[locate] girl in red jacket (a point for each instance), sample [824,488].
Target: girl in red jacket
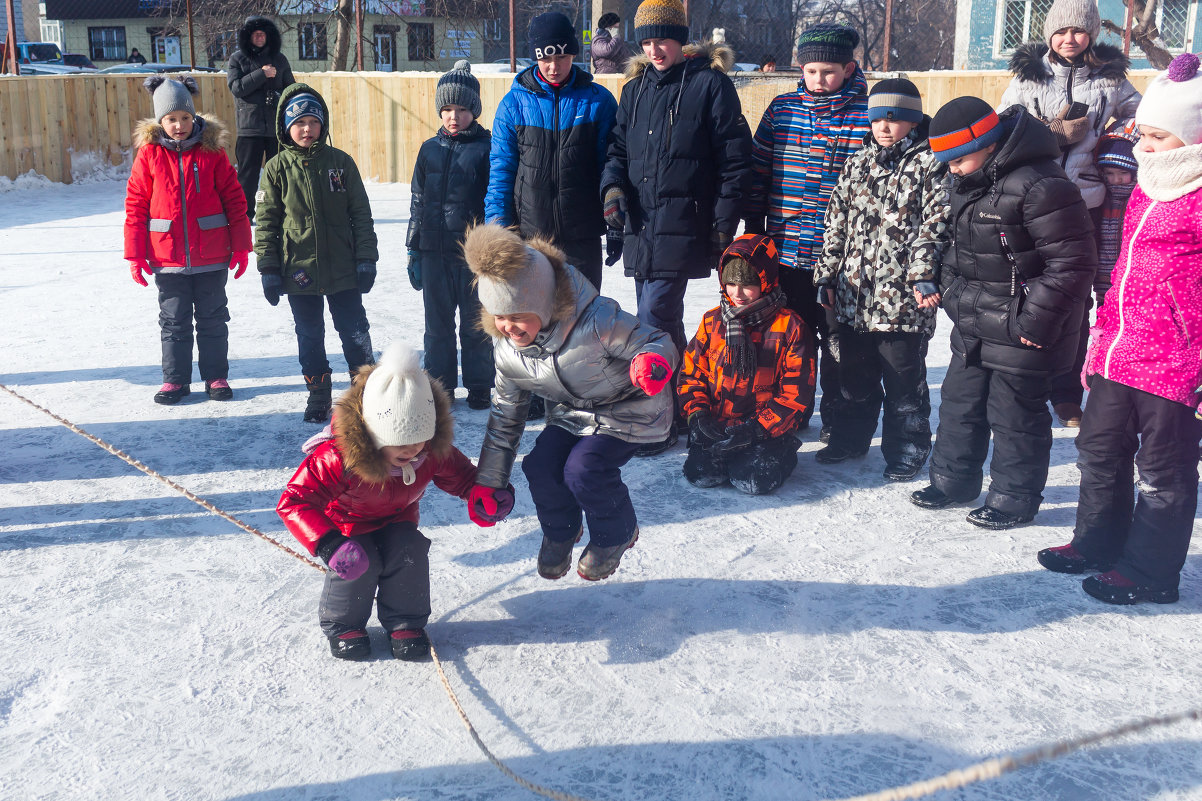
[185,223]
[353,502]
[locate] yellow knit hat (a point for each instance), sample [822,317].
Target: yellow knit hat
[661,19]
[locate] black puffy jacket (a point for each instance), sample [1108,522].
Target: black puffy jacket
[447,192]
[681,151]
[1022,258]
[251,88]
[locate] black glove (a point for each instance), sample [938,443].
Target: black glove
[823,300]
[415,269]
[614,238]
[754,225]
[272,284]
[614,207]
[704,430]
[366,272]
[719,242]
[926,288]
[741,436]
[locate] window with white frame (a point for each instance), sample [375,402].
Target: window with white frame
[1019,21]
[1175,21]
[106,44]
[313,40]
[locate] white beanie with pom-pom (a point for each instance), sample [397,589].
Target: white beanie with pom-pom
[398,402]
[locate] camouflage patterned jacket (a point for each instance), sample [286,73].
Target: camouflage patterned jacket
[886,228]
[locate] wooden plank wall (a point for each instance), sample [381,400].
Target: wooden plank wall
[381,119]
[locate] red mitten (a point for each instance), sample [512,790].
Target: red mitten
[487,506]
[650,372]
[137,267]
[238,262]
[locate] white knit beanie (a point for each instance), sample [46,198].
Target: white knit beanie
[398,402]
[1081,14]
[1173,100]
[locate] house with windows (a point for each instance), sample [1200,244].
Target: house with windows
[398,34]
[988,31]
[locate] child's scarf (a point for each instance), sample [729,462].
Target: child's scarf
[1170,174]
[739,320]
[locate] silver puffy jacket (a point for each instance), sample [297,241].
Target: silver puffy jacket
[581,365]
[1044,87]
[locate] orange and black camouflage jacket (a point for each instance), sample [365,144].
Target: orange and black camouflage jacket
[783,386]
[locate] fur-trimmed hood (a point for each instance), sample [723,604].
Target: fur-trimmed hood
[1030,63]
[213,136]
[359,453]
[698,55]
[499,253]
[258,23]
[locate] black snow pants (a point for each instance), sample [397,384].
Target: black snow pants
[1124,428]
[756,470]
[397,581]
[802,297]
[585,256]
[182,299]
[976,402]
[447,286]
[898,361]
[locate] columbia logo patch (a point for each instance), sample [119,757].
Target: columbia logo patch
[260,195]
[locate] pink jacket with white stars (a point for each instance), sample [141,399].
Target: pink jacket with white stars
[1149,331]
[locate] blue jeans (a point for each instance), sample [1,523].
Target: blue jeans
[350,320]
[573,478]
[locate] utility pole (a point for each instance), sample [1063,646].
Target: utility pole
[513,35]
[10,43]
[1126,27]
[888,34]
[359,35]
[191,38]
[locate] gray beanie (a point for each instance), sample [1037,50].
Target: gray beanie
[1081,14]
[529,290]
[459,87]
[169,96]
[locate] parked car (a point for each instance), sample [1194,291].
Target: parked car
[39,68]
[37,52]
[123,68]
[79,60]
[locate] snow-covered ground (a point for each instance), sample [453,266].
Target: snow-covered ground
[826,641]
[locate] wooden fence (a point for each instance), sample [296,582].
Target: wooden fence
[381,119]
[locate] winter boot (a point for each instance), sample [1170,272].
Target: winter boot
[555,556]
[169,394]
[1068,413]
[219,390]
[931,498]
[656,448]
[1067,559]
[479,399]
[824,434]
[538,409]
[1115,588]
[410,645]
[317,410]
[353,645]
[599,563]
[996,519]
[835,453]
[903,471]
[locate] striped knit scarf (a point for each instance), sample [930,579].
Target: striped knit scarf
[739,320]
[1110,235]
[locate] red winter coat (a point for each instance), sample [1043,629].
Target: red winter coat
[344,485]
[212,207]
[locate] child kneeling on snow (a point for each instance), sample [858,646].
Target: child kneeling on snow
[602,374]
[747,379]
[353,502]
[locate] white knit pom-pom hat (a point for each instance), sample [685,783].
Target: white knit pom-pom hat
[398,402]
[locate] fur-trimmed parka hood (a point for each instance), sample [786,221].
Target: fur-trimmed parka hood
[1030,63]
[359,453]
[213,135]
[257,23]
[499,253]
[698,55]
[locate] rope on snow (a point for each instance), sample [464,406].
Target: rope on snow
[989,769]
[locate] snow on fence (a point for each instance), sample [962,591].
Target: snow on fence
[381,119]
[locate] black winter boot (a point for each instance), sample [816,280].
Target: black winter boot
[555,556]
[1115,588]
[353,645]
[996,519]
[1067,559]
[410,645]
[317,410]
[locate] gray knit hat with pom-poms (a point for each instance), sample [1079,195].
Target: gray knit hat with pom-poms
[169,96]
[460,88]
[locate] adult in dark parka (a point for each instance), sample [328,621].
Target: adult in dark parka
[257,73]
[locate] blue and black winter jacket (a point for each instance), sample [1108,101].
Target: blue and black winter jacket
[548,150]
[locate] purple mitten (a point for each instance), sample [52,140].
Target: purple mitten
[344,556]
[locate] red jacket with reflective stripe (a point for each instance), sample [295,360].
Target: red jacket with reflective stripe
[164,182]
